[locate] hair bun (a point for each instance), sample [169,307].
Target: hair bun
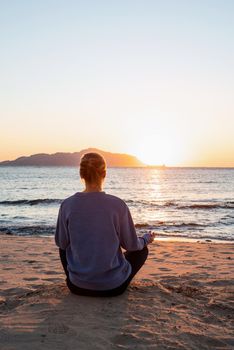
[92,167]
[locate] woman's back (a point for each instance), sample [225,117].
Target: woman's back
[92,227]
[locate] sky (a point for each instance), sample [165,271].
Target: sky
[150,78]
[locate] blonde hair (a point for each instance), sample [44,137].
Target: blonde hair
[92,167]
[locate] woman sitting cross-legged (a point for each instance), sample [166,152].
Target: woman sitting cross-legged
[92,228]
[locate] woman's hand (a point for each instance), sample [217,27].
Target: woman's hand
[152,236]
[149,237]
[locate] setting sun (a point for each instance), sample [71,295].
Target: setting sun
[161,152]
[161,149]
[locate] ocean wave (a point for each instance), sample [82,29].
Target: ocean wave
[169,225]
[50,229]
[182,206]
[28,230]
[147,226]
[43,201]
[227,205]
[132,203]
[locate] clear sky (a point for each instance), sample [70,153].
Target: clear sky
[150,78]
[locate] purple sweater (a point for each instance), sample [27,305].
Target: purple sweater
[92,227]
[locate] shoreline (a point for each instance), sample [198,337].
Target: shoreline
[193,240]
[182,298]
[157,239]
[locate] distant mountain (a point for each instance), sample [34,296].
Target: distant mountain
[73,159]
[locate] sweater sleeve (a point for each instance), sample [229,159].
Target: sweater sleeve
[61,233]
[127,233]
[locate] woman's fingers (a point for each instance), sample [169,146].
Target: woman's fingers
[152,234]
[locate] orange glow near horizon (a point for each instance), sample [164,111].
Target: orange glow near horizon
[169,151]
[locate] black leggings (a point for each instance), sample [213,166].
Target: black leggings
[136,259]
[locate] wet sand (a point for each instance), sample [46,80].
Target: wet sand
[183,298]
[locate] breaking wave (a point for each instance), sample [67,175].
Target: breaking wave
[133,203]
[191,206]
[43,201]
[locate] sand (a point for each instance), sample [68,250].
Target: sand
[181,299]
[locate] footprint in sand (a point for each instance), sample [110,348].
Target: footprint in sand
[15,291]
[168,255]
[37,267]
[158,260]
[30,278]
[51,272]
[30,261]
[37,286]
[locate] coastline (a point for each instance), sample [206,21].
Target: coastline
[159,238]
[182,298]
[192,240]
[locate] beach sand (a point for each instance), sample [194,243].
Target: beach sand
[183,298]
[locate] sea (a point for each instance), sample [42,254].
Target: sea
[176,203]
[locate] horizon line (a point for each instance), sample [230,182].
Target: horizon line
[144,165]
